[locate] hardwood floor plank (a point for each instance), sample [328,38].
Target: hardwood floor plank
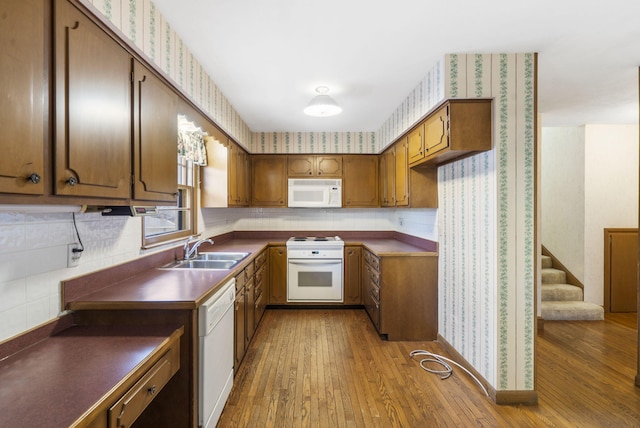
[329,368]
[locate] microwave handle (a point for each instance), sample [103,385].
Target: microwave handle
[315,261]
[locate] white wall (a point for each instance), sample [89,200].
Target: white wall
[563,197]
[589,183]
[611,195]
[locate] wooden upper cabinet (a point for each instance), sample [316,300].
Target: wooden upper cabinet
[23,132]
[460,127]
[329,166]
[269,181]
[239,176]
[360,181]
[300,166]
[415,140]
[314,166]
[93,109]
[401,175]
[387,177]
[155,138]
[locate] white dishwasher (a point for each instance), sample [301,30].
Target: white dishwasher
[216,354]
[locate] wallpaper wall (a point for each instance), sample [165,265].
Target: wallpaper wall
[314,142]
[148,30]
[486,214]
[486,225]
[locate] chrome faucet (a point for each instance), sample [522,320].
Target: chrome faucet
[191,253]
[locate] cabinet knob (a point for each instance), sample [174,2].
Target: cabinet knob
[310,173]
[34,178]
[152,390]
[72,181]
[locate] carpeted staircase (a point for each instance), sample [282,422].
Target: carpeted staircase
[562,301]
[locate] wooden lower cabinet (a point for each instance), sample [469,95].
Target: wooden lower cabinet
[352,275]
[240,340]
[400,295]
[131,405]
[278,275]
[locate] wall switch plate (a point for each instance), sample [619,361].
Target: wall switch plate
[73,257]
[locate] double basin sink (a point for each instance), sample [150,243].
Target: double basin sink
[212,261]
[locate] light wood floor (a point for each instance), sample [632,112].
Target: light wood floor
[328,368]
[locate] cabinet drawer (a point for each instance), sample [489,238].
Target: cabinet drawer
[260,274]
[240,281]
[373,260]
[375,291]
[260,259]
[372,275]
[249,271]
[132,404]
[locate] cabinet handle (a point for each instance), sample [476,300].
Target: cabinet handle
[34,178]
[72,181]
[152,390]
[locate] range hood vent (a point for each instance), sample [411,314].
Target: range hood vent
[131,211]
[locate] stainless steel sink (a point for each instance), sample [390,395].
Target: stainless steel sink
[211,261]
[220,255]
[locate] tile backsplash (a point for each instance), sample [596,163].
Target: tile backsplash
[33,260]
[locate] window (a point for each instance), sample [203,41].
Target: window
[176,221]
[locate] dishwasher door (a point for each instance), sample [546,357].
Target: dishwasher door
[216,354]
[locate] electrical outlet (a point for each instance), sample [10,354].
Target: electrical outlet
[73,257]
[401,221]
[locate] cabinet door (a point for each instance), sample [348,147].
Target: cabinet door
[233,168]
[92,109]
[277,275]
[416,147]
[243,178]
[402,174]
[353,275]
[269,181]
[24,98]
[250,320]
[621,270]
[300,166]
[436,131]
[360,181]
[155,138]
[239,322]
[387,178]
[329,166]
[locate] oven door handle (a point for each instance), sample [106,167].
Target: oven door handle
[315,261]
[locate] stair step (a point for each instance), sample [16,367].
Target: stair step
[571,311]
[553,276]
[561,292]
[546,262]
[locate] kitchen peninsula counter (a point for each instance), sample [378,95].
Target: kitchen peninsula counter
[74,377]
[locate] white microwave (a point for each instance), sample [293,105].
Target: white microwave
[315,192]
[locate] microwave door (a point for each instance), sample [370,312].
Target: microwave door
[308,197]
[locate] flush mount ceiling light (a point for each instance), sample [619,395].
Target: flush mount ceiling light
[322,105]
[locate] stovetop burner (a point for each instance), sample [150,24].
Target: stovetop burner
[310,240]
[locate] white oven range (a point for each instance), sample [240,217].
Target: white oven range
[315,269]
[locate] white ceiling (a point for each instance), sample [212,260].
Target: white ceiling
[267,56]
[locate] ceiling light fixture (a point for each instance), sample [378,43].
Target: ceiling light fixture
[322,105]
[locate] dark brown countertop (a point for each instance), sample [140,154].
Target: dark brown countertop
[56,381]
[186,289]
